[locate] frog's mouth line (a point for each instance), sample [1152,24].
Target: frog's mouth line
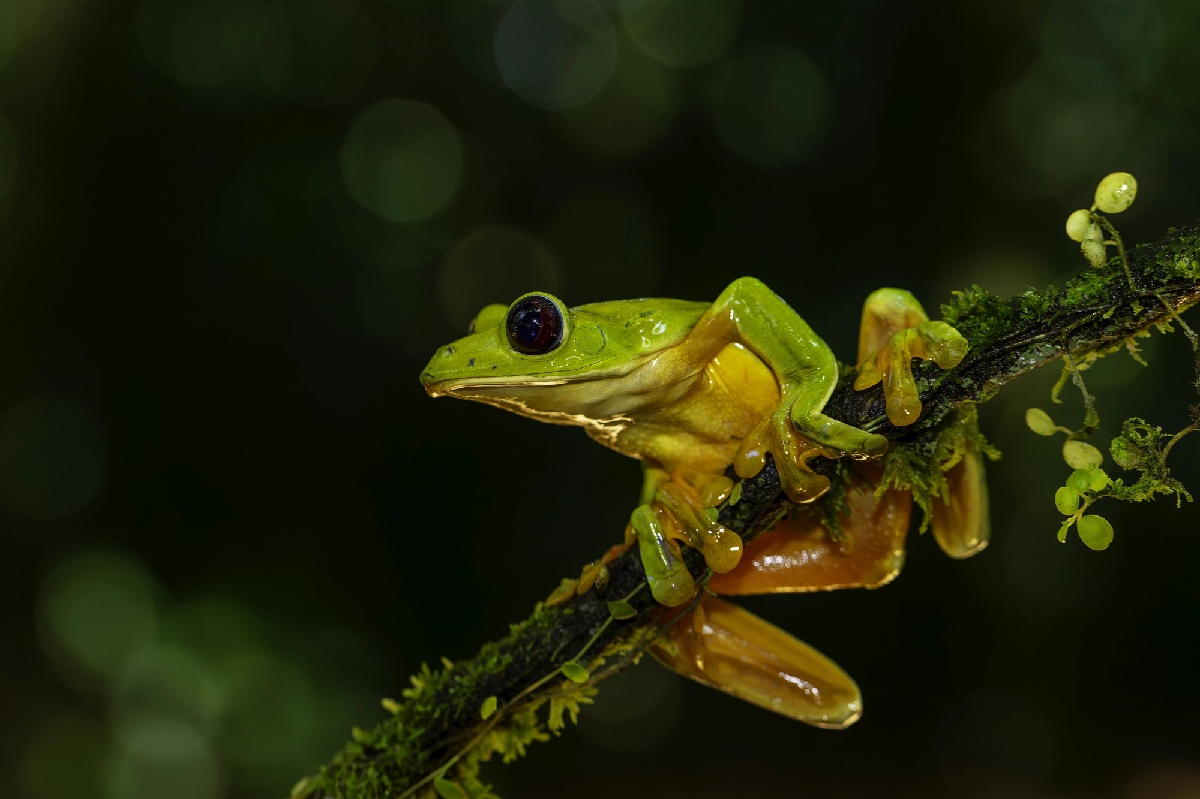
[458,387]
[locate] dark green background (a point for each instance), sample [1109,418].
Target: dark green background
[218,470]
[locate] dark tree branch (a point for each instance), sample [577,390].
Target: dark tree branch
[431,728]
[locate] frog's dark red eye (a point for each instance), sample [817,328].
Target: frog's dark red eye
[534,325]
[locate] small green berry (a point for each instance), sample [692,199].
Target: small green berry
[1078,480]
[1039,422]
[1094,252]
[1081,455]
[1077,224]
[1095,531]
[1066,499]
[1116,192]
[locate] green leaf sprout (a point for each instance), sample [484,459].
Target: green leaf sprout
[575,672]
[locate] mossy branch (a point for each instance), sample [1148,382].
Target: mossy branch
[456,716]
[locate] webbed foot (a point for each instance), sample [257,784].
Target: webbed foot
[800,554]
[728,648]
[961,524]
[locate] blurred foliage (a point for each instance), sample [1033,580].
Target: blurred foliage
[232,231]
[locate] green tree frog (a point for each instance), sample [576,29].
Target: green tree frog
[693,388]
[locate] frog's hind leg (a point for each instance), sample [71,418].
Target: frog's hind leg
[726,647]
[799,553]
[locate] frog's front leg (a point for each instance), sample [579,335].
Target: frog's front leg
[673,510]
[750,313]
[895,330]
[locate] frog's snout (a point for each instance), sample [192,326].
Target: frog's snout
[428,379]
[448,368]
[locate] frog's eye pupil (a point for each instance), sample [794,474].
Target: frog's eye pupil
[534,325]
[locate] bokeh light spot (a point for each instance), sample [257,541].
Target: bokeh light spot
[197,42]
[271,709]
[389,245]
[629,114]
[402,160]
[609,241]
[556,53]
[682,33]
[164,757]
[65,758]
[53,461]
[210,628]
[1082,137]
[1063,142]
[95,610]
[8,154]
[493,264]
[771,106]
[641,706]
[162,681]
[316,52]
[1104,49]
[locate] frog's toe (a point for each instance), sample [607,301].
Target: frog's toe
[674,589]
[792,452]
[945,346]
[670,581]
[874,446]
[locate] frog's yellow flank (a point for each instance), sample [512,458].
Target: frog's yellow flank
[691,389]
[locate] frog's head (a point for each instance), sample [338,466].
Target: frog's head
[539,357]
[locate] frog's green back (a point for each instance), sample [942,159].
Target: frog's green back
[642,326]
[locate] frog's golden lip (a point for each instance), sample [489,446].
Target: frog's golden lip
[453,386]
